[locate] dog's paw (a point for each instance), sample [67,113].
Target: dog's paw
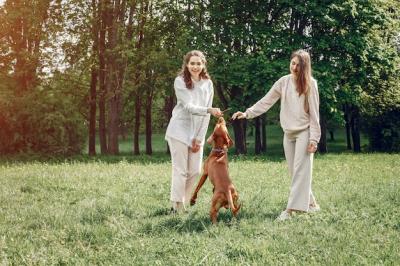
[192,202]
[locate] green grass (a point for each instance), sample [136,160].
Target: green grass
[113,211]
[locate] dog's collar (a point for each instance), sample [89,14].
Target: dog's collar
[219,150]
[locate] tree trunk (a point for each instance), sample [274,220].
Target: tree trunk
[112,83]
[332,135]
[257,135]
[138,104]
[93,85]
[239,125]
[168,107]
[149,149]
[92,113]
[102,77]
[355,129]
[113,126]
[138,107]
[322,147]
[347,124]
[263,133]
[240,136]
[121,62]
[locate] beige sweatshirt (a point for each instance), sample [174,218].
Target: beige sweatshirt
[293,117]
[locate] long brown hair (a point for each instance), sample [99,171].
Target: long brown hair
[303,79]
[185,71]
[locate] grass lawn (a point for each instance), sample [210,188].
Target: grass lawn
[113,211]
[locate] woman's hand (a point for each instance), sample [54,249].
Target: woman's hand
[195,145]
[312,147]
[214,111]
[238,115]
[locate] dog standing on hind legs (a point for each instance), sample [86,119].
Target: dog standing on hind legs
[216,168]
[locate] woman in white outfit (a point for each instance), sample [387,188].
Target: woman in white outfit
[188,126]
[299,118]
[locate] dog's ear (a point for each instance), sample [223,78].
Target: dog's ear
[210,139]
[229,140]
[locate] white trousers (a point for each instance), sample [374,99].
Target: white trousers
[186,166]
[300,164]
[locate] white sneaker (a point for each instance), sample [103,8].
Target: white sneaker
[178,207]
[315,208]
[284,216]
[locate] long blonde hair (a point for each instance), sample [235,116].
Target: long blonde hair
[303,79]
[185,71]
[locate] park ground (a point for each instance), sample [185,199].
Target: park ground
[114,211]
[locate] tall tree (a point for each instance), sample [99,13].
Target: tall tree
[93,81]
[26,27]
[42,114]
[104,11]
[140,33]
[113,86]
[240,35]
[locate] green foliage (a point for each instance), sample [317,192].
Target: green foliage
[384,131]
[382,110]
[45,120]
[380,93]
[250,44]
[354,46]
[37,113]
[153,66]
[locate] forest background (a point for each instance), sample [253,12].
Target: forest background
[75,73]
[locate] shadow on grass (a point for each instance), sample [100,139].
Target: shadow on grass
[162,220]
[271,215]
[251,211]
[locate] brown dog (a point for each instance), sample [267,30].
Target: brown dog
[216,167]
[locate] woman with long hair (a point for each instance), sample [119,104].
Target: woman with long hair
[299,118]
[188,126]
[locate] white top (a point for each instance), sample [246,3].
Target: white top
[190,118]
[293,117]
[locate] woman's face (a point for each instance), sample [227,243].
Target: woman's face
[195,66]
[294,66]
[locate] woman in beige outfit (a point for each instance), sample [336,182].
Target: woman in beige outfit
[299,118]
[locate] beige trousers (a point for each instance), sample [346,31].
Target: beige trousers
[300,164]
[186,166]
